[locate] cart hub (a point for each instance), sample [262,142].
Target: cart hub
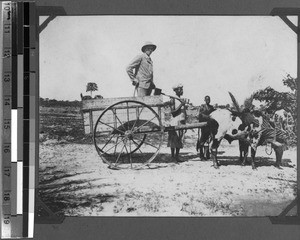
[129,134]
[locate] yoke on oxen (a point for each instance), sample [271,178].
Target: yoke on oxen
[260,131]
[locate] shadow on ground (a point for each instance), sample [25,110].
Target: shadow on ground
[226,160]
[57,191]
[259,161]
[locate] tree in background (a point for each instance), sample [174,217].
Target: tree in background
[91,87]
[287,101]
[280,100]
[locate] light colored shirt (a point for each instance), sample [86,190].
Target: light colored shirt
[181,117]
[141,68]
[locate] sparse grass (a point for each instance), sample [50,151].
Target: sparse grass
[62,123]
[192,207]
[152,202]
[134,201]
[216,205]
[203,206]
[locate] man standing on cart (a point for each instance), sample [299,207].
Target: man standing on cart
[140,71]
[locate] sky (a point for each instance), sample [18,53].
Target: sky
[209,55]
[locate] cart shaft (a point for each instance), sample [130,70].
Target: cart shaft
[185,126]
[148,129]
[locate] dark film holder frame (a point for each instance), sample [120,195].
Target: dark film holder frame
[66,8]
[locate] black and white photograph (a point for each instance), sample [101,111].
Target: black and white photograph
[168,116]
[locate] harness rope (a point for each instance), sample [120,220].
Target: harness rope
[271,133]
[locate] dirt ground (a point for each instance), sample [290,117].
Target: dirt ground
[74,180]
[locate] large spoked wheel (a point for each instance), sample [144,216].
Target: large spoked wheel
[128,134]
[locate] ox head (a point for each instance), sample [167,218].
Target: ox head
[256,129]
[254,138]
[251,127]
[241,129]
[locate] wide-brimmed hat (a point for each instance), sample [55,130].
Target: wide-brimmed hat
[146,44]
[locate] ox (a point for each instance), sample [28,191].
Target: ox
[263,132]
[258,131]
[223,124]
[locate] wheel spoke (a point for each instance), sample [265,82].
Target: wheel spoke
[114,146]
[138,145]
[130,153]
[119,155]
[107,142]
[125,147]
[140,141]
[137,119]
[118,120]
[144,123]
[111,127]
[140,112]
[127,116]
[150,144]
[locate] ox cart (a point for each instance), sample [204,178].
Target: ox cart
[129,132]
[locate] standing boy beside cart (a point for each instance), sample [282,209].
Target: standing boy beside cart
[178,112]
[203,143]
